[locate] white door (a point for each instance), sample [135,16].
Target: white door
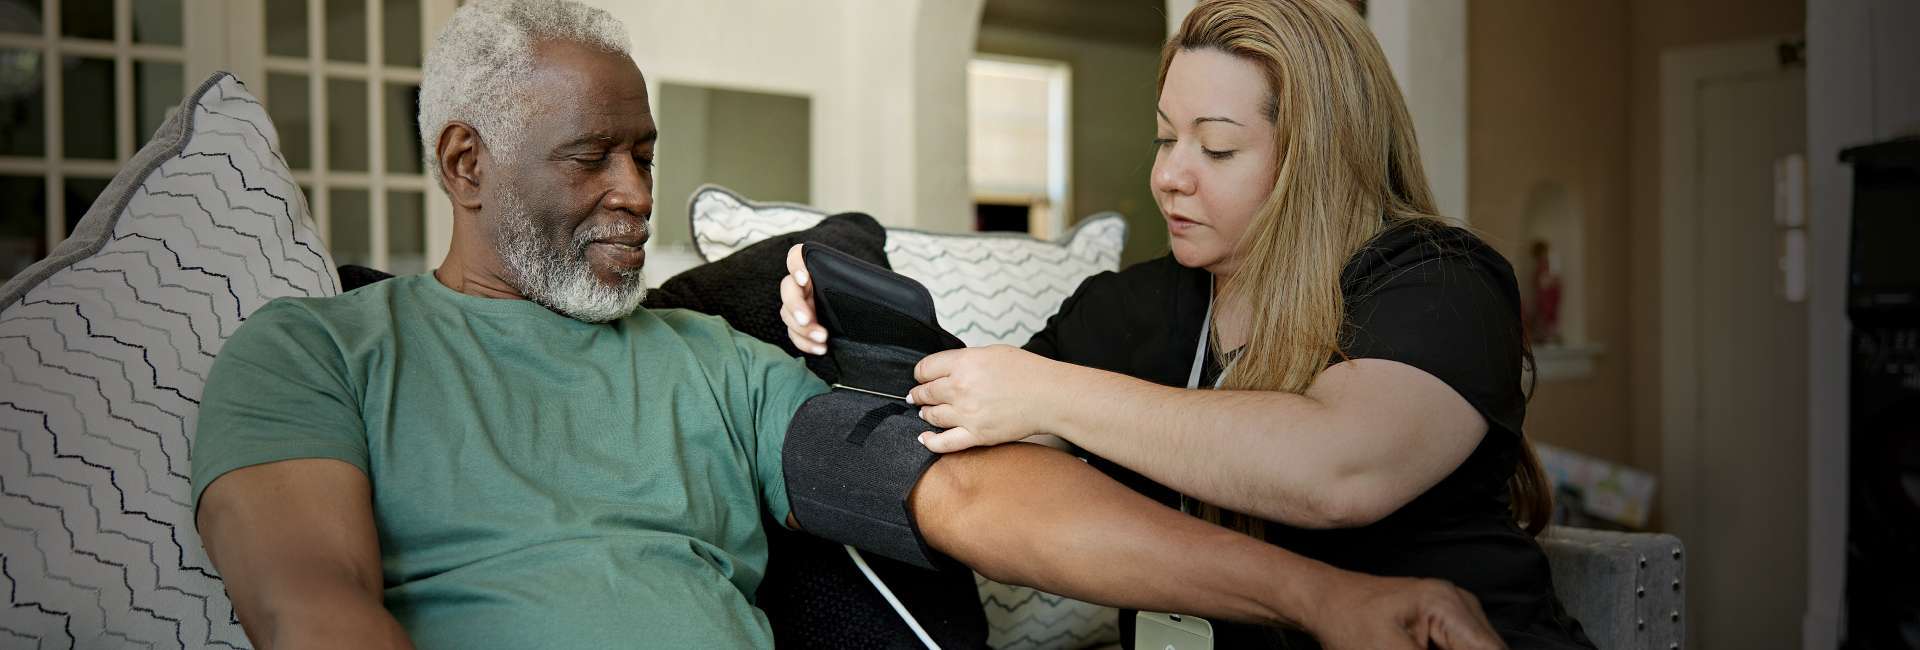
[1741,482]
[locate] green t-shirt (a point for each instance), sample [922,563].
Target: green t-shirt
[537,481]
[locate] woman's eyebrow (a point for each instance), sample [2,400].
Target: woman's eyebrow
[1201,120]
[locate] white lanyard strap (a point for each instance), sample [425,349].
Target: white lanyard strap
[1200,347]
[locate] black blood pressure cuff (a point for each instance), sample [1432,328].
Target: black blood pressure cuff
[852,455]
[851,459]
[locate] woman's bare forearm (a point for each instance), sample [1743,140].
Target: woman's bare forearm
[1029,515]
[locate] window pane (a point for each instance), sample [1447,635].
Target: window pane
[287,103]
[159,87]
[23,130]
[81,193]
[349,237]
[23,229]
[287,27]
[347,125]
[21,17]
[157,22]
[406,233]
[402,22]
[403,129]
[87,19]
[86,103]
[347,30]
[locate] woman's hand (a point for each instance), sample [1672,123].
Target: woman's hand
[987,395]
[796,306]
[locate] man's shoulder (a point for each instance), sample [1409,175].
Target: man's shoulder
[365,310]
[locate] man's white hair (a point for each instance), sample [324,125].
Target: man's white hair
[482,62]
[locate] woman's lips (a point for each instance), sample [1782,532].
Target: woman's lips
[1178,224]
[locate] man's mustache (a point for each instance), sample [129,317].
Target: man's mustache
[610,230]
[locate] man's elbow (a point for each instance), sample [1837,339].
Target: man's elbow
[941,501]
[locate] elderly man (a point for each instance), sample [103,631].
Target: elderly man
[507,453]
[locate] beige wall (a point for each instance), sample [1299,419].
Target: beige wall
[1568,92]
[882,77]
[1547,91]
[757,144]
[1657,25]
[1112,119]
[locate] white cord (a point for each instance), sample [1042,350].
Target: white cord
[895,602]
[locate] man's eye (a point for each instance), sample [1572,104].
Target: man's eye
[645,162]
[592,161]
[1217,155]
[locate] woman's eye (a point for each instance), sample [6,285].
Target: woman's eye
[1217,155]
[1162,143]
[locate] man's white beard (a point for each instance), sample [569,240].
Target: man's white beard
[556,274]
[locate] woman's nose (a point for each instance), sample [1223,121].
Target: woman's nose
[1170,176]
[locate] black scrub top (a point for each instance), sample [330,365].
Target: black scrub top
[1429,296]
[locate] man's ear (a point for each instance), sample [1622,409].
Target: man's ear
[461,165]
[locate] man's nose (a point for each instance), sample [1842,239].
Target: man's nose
[632,190]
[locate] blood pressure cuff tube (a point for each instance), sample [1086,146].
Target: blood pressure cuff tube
[851,459]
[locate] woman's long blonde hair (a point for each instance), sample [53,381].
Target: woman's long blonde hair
[1348,168]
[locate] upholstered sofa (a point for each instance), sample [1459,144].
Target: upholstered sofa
[105,345]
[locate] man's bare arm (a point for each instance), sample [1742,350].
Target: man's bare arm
[296,545]
[1030,515]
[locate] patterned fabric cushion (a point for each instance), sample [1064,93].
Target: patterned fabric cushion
[992,288]
[987,289]
[104,347]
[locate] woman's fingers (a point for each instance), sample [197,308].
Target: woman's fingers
[951,440]
[938,391]
[796,309]
[941,415]
[937,365]
[797,267]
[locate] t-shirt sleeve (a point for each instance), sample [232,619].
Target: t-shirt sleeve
[1063,324]
[1450,308]
[279,390]
[775,385]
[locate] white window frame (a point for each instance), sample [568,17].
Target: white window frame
[246,36]
[53,165]
[230,35]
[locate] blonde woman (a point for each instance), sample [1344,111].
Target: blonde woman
[1322,362]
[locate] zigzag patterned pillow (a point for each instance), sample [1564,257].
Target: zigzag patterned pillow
[987,289]
[104,347]
[724,222]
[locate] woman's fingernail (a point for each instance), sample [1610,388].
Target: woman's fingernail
[923,438]
[802,317]
[801,278]
[820,349]
[909,398]
[818,336]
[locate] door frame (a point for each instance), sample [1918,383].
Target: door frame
[1684,74]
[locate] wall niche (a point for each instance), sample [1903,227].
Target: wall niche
[1553,291]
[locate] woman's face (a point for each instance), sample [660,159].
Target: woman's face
[1215,159]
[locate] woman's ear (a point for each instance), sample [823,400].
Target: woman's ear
[461,164]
